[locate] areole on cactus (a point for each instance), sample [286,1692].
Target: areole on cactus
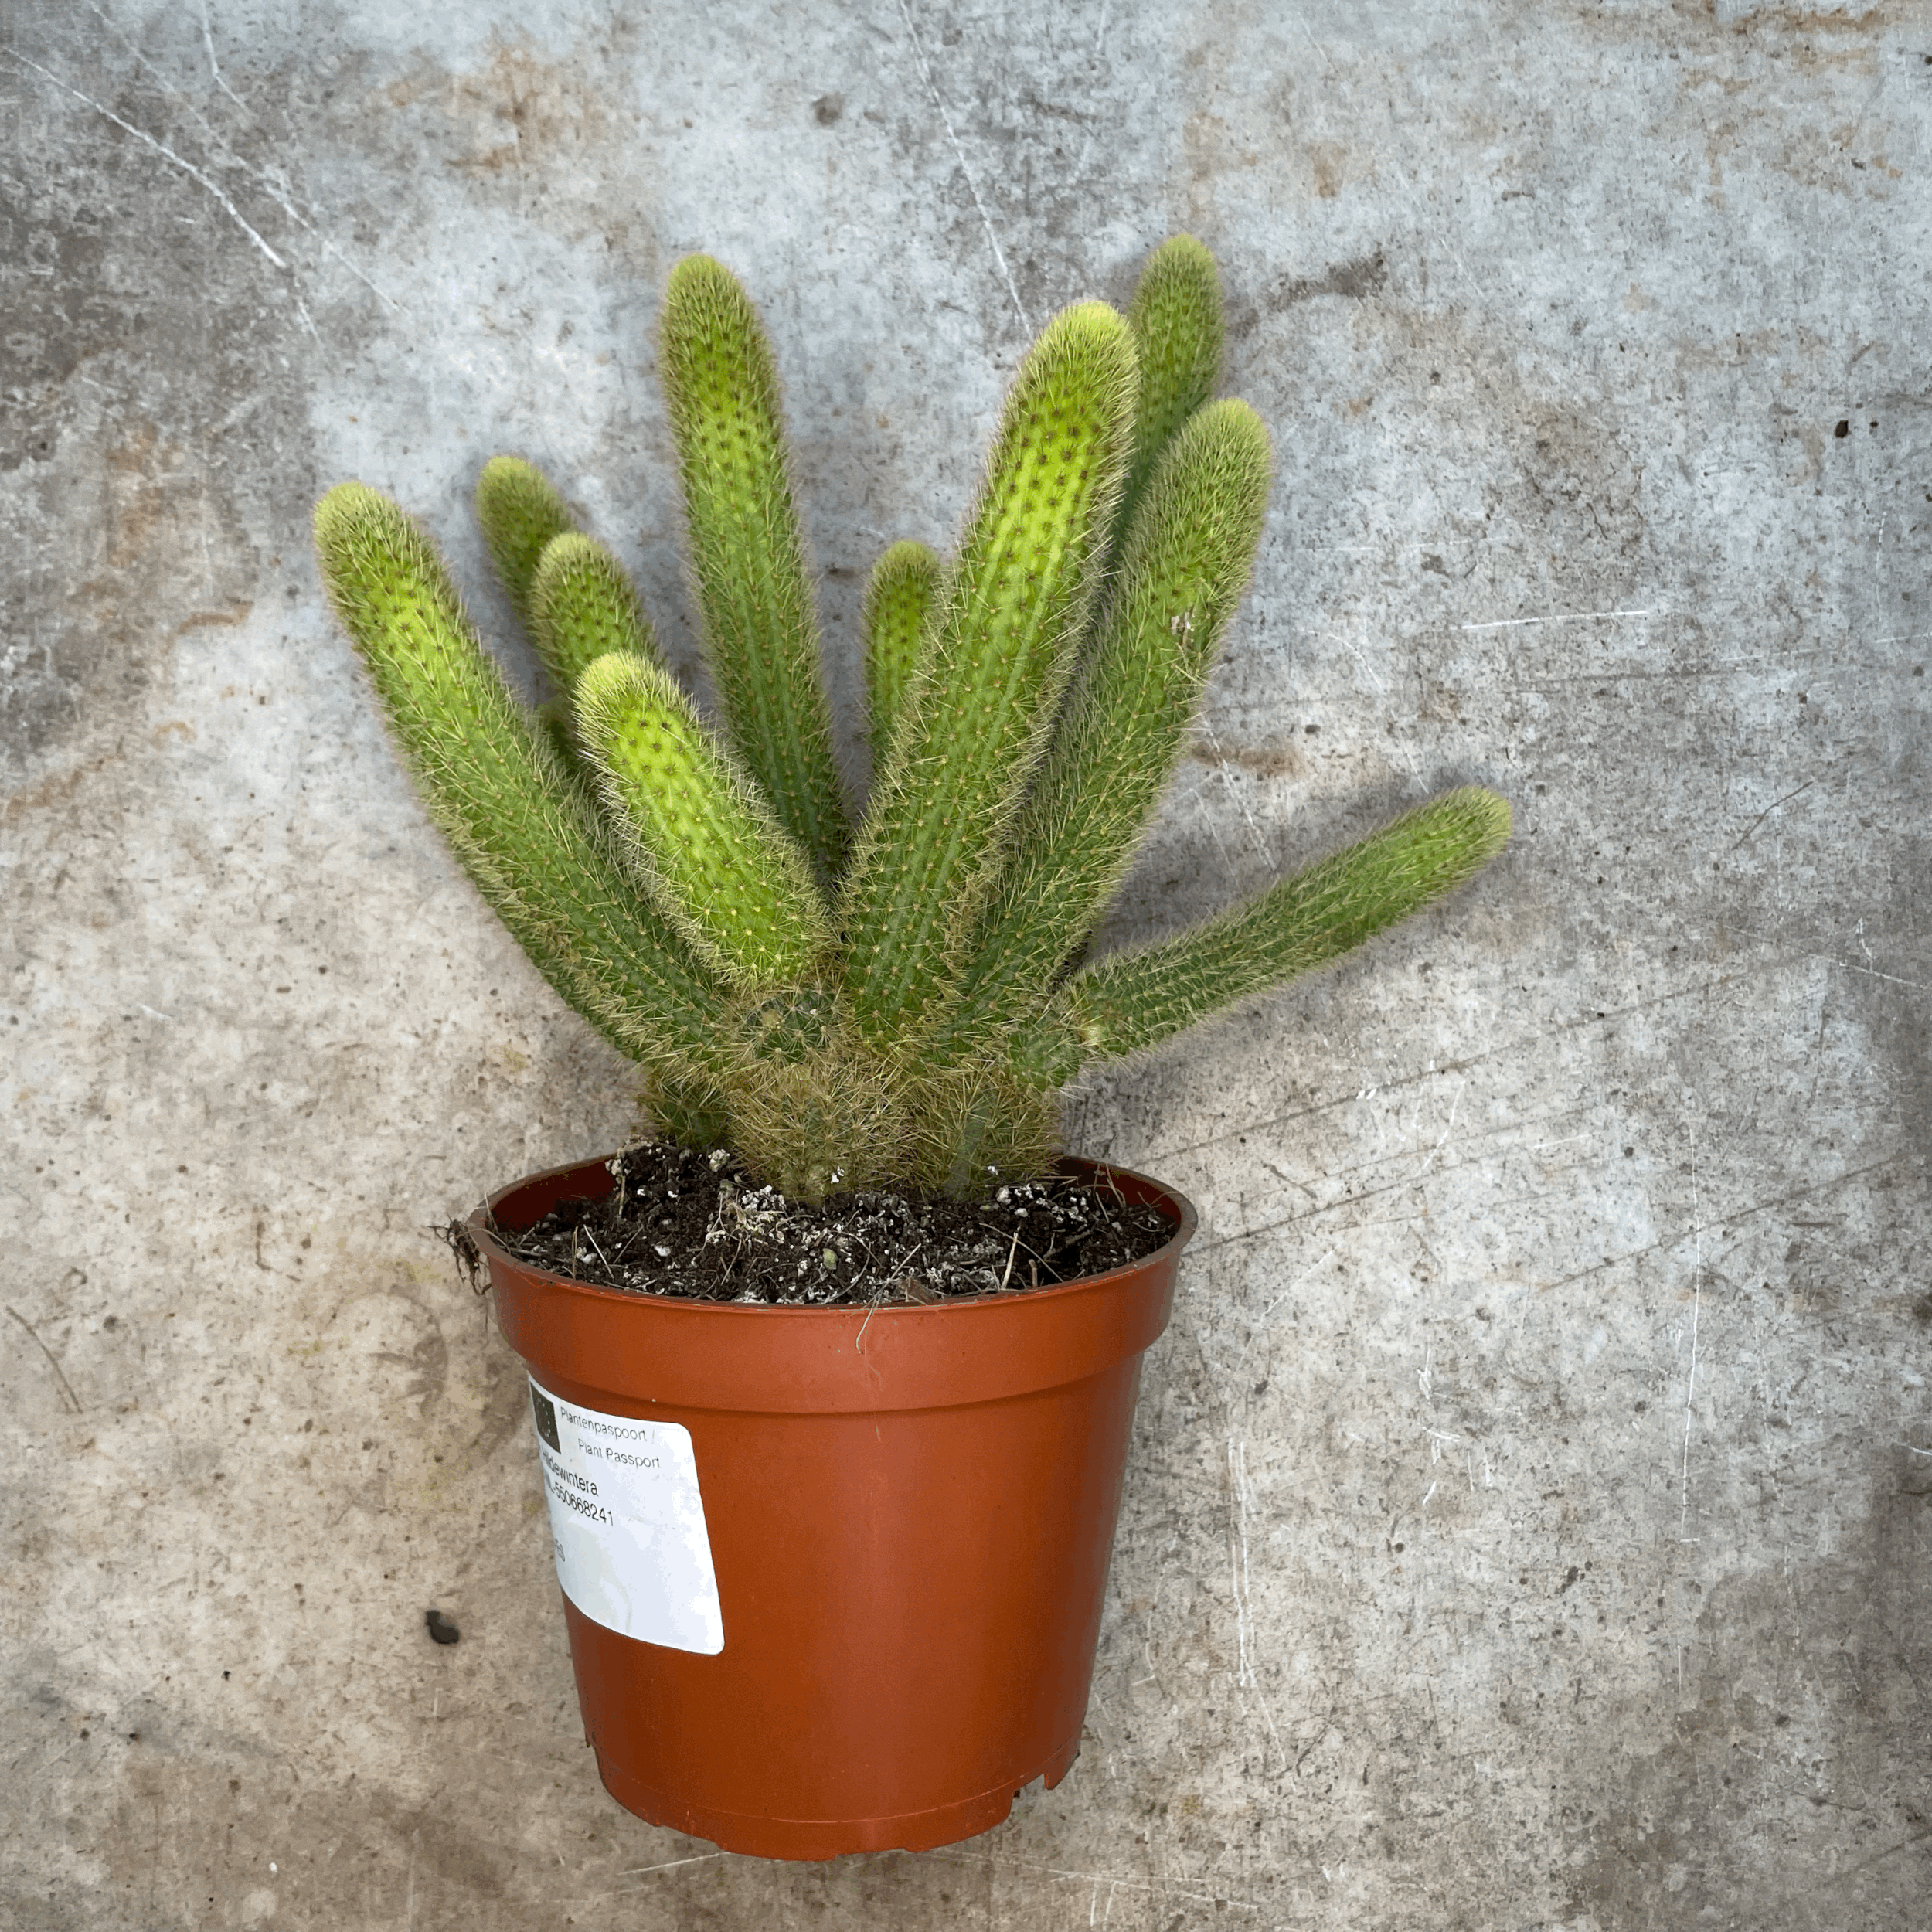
[895,1001]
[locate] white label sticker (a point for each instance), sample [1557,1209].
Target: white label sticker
[632,1551]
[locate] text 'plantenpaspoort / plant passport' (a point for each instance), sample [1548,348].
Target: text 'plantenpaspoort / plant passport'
[628,1522]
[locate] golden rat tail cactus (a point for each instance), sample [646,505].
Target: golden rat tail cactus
[894,1001]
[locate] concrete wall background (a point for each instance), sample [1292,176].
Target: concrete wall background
[1528,1523]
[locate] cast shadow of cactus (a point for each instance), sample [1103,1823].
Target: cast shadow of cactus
[894,1000]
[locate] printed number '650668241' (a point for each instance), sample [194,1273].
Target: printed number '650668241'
[571,1500]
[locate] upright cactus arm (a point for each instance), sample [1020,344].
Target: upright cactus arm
[748,555]
[1133,1001]
[1125,722]
[898,595]
[720,869]
[496,789]
[519,511]
[1175,316]
[583,607]
[991,668]
[898,1003]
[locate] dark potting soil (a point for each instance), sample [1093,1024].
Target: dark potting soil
[696,1226]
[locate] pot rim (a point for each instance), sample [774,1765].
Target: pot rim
[481,1223]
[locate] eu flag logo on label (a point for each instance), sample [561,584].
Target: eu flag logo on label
[545,1412]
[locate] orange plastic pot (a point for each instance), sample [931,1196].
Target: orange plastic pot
[909,1513]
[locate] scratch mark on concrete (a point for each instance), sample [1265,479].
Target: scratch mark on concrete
[1562,617]
[1238,1561]
[1833,959]
[1677,674]
[1729,1215]
[1433,1072]
[161,148]
[273,182]
[1327,1255]
[669,1865]
[1690,1381]
[1744,837]
[1447,1132]
[1368,670]
[214,66]
[1159,1887]
[1281,1173]
[1290,1220]
[65,1386]
[965,167]
[1268,1717]
[382,295]
[1221,765]
[1904,1844]
[1890,979]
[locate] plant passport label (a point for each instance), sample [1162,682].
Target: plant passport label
[628,1522]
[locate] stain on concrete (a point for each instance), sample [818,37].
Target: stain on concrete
[1352,281]
[1779,1733]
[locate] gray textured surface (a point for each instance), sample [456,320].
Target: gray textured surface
[1527,1524]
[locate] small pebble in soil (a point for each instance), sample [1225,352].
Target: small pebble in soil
[441,1629]
[698,1226]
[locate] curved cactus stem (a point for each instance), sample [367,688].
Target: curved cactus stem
[898,596]
[720,869]
[1125,722]
[1175,316]
[1133,1001]
[497,792]
[991,668]
[748,555]
[583,607]
[519,511]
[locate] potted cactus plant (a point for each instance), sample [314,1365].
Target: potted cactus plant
[833,1573]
